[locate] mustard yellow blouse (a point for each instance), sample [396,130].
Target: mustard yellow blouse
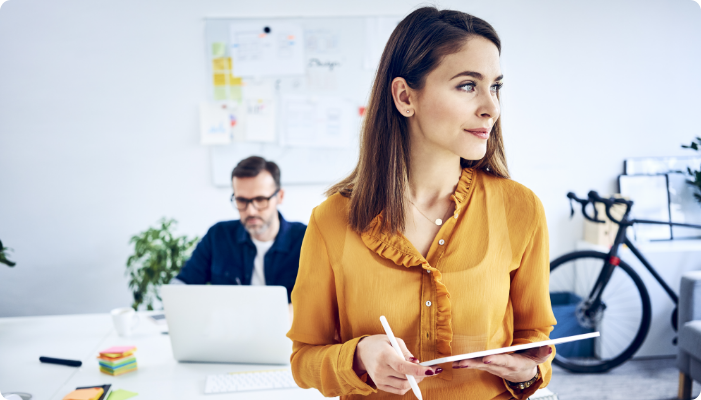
[483,285]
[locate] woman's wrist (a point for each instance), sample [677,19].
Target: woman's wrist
[520,381]
[358,365]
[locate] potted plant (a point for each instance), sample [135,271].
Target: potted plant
[695,175]
[157,259]
[3,256]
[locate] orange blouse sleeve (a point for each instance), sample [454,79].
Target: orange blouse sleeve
[530,298]
[318,360]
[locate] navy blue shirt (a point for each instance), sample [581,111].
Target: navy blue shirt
[225,256]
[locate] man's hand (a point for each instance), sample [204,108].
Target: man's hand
[376,356]
[515,367]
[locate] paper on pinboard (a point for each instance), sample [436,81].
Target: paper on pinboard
[318,121]
[263,88]
[267,50]
[260,120]
[259,108]
[321,41]
[377,32]
[214,124]
[237,120]
[323,73]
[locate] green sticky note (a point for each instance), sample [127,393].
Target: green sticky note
[218,49]
[121,394]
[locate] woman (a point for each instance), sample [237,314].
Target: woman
[429,231]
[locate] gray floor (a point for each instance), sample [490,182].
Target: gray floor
[647,379]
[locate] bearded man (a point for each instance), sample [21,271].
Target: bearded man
[261,248]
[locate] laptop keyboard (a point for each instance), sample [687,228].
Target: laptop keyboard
[254,380]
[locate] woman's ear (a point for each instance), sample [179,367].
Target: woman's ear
[401,93]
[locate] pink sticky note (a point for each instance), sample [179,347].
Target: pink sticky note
[118,349]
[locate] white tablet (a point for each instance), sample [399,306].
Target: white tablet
[509,349]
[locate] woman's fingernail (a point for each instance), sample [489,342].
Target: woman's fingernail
[462,366]
[439,370]
[429,372]
[413,359]
[487,362]
[550,350]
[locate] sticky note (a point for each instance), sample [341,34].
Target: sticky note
[218,49]
[121,394]
[118,349]
[84,394]
[226,80]
[221,64]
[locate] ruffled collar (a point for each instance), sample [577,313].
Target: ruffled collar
[408,256]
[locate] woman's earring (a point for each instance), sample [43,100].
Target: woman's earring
[408,111]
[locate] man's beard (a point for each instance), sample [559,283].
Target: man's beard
[260,229]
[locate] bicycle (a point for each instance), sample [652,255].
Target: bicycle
[595,291]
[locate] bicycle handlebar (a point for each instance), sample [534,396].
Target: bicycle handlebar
[593,198]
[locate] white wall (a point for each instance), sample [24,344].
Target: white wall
[98,122]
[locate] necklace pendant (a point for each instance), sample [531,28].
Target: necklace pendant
[439,222]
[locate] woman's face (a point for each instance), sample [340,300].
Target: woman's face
[458,105]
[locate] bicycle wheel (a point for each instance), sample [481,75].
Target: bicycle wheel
[622,318]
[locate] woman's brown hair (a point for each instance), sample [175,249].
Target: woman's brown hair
[415,48]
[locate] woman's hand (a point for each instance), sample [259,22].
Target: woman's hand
[515,367]
[376,356]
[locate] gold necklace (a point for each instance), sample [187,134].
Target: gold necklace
[438,221]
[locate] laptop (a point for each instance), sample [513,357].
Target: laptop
[231,324]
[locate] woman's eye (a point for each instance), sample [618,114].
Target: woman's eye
[497,87]
[468,87]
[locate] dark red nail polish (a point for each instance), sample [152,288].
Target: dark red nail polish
[439,370]
[429,372]
[550,350]
[413,359]
[462,366]
[487,362]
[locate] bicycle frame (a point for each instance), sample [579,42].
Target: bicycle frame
[594,299]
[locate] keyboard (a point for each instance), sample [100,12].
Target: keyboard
[253,380]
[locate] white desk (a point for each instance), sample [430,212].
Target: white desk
[81,337]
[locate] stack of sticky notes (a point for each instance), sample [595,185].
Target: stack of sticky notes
[85,394]
[117,360]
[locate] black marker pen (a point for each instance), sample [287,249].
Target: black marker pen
[61,361]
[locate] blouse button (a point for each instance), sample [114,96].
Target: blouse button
[441,242]
[428,303]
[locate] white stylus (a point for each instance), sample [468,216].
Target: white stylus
[393,341]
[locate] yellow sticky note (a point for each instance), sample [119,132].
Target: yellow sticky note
[221,64]
[220,79]
[226,80]
[84,394]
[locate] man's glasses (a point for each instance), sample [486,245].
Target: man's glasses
[259,203]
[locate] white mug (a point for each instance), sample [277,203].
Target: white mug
[125,320]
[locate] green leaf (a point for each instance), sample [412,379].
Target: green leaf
[3,256]
[158,257]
